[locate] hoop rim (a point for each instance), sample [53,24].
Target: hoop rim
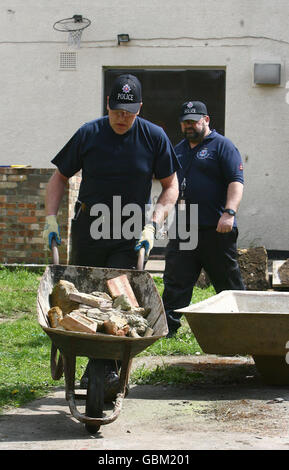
[57,25]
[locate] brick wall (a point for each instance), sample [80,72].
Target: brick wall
[22,215]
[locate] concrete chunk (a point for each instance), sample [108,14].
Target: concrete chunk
[102,295]
[76,321]
[122,302]
[60,296]
[91,300]
[283,272]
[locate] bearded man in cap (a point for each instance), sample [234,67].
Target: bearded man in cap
[212,178]
[118,155]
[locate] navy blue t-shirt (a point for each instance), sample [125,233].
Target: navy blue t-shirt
[208,169]
[117,165]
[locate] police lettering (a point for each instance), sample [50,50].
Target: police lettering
[190,111]
[125,96]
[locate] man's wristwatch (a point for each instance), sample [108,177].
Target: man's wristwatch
[230,211]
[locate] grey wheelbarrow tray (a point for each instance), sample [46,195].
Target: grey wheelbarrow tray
[252,323]
[67,345]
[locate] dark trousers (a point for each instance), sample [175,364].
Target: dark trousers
[216,253]
[86,251]
[109,253]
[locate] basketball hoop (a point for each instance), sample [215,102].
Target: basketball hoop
[74,26]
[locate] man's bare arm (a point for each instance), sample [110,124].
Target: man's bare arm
[167,199]
[54,192]
[234,197]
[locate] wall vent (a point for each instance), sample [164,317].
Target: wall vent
[67,61]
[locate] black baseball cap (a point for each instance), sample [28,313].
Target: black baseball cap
[126,94]
[193,111]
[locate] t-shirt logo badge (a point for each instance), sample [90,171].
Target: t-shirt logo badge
[202,154]
[126,88]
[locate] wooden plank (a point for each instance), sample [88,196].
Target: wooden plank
[276,279]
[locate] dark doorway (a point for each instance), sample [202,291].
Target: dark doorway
[164,91]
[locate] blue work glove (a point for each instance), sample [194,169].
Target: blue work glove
[146,239]
[51,230]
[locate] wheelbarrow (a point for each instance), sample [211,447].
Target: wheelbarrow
[68,345]
[252,323]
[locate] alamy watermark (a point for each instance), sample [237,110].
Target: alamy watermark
[109,224]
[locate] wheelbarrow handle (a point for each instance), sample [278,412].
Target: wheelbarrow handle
[54,251]
[141,259]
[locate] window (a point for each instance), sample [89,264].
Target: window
[164,91]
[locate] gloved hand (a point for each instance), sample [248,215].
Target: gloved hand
[147,239]
[51,230]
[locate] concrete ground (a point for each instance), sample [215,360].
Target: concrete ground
[155,267]
[226,408]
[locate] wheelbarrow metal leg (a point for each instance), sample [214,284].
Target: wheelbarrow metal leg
[56,366]
[125,369]
[69,372]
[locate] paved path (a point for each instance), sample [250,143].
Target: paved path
[228,409]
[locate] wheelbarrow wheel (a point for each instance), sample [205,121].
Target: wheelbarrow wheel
[56,365]
[95,393]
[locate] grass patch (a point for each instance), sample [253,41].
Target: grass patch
[184,342]
[18,290]
[163,375]
[25,362]
[159,284]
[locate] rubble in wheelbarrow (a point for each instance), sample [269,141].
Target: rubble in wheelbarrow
[76,321]
[55,315]
[60,296]
[120,285]
[117,313]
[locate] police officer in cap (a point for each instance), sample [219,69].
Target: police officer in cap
[118,154]
[211,177]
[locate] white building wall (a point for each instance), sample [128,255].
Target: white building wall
[43,106]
